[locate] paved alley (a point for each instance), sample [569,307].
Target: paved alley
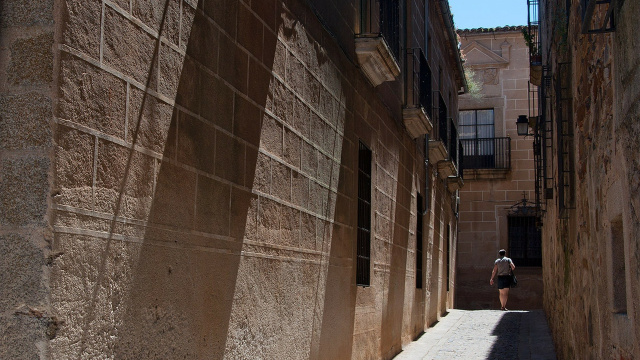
[485,334]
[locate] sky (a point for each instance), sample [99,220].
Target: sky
[469,14]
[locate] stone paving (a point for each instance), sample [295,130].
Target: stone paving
[484,335]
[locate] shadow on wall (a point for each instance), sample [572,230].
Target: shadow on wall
[171,293]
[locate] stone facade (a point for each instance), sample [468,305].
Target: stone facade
[499,59]
[180,180]
[591,226]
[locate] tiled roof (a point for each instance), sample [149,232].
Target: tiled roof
[492,30]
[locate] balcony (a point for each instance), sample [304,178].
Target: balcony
[486,157]
[378,44]
[438,142]
[417,113]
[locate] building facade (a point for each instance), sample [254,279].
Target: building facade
[226,179]
[498,171]
[586,53]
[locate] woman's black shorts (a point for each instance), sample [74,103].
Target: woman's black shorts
[504,281]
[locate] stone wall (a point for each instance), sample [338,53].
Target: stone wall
[500,60]
[204,163]
[26,104]
[591,250]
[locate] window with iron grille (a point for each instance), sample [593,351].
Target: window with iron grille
[363,261]
[419,242]
[525,240]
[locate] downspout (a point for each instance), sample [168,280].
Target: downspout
[426,175]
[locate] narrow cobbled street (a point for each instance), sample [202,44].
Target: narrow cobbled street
[484,334]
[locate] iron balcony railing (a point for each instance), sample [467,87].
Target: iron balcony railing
[453,143]
[418,69]
[532,34]
[487,153]
[382,17]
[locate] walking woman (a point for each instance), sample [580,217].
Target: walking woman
[503,267]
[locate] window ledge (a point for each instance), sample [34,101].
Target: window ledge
[486,174]
[437,151]
[376,60]
[454,183]
[446,169]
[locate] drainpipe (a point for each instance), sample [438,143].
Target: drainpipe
[426,175]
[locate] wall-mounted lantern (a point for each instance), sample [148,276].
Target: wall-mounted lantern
[522,124]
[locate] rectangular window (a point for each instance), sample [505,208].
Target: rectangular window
[525,241]
[363,261]
[419,242]
[481,149]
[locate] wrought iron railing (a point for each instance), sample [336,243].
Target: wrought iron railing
[532,33]
[441,129]
[487,153]
[453,142]
[418,70]
[382,17]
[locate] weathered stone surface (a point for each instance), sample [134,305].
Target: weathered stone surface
[129,49]
[21,336]
[26,13]
[196,143]
[21,273]
[149,121]
[25,121]
[213,206]
[31,60]
[74,168]
[230,158]
[174,197]
[157,12]
[81,25]
[124,181]
[24,188]
[203,42]
[217,102]
[234,70]
[91,97]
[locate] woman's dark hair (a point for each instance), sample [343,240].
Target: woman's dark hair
[502,252]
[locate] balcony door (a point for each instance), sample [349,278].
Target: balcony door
[477,132]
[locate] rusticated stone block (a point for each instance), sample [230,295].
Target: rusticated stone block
[309,159]
[299,189]
[281,181]
[91,97]
[251,35]
[26,13]
[271,137]
[262,178]
[230,158]
[247,122]
[149,121]
[21,273]
[290,227]
[280,102]
[212,206]
[259,80]
[224,13]
[81,25]
[243,221]
[155,12]
[74,168]
[266,11]
[269,221]
[234,68]
[31,60]
[196,143]
[217,101]
[129,49]
[24,187]
[174,198]
[124,181]
[188,16]
[292,148]
[24,121]
[203,42]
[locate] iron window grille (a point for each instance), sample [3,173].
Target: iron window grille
[382,17]
[525,238]
[564,124]
[363,256]
[453,142]
[421,88]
